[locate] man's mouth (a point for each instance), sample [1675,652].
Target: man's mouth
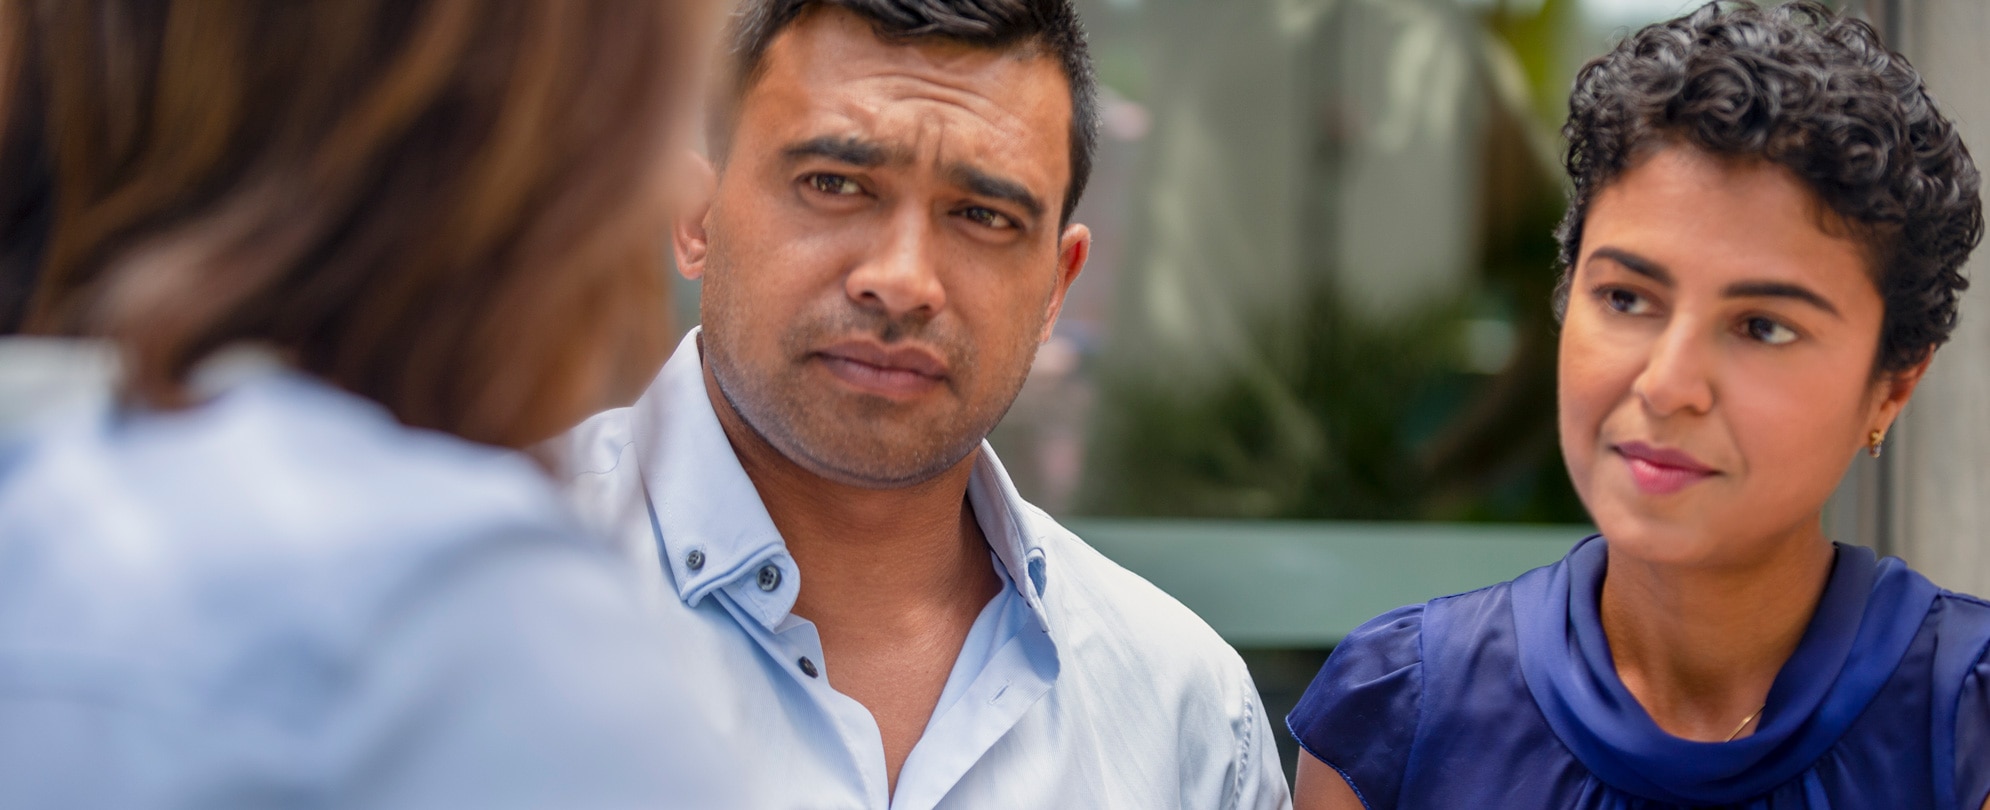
[894,372]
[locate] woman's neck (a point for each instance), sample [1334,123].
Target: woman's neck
[1700,647]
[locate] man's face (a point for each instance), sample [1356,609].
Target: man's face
[882,252]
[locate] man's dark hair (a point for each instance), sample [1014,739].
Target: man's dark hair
[1049,25]
[1817,94]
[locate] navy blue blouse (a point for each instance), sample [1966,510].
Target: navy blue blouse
[1507,697]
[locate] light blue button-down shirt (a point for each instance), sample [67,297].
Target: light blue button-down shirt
[284,598]
[1079,686]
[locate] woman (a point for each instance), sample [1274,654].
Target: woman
[351,254]
[1760,257]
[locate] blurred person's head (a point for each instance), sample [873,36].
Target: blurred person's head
[1762,252]
[448,206]
[887,237]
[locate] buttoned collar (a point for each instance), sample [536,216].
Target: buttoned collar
[714,532]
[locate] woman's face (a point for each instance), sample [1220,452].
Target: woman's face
[1716,360]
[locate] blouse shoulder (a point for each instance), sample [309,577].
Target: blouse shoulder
[1360,714]
[1969,624]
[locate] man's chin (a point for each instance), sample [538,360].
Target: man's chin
[878,464]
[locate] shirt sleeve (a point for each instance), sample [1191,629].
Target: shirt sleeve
[1360,714]
[518,674]
[1972,737]
[1260,776]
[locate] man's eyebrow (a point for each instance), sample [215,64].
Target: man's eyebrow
[1000,188]
[842,149]
[1634,263]
[1779,289]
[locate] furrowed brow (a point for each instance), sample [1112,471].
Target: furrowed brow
[851,150]
[1000,188]
[1634,263]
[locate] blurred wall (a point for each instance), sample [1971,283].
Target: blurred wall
[1940,520]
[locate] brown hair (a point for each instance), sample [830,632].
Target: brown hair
[437,204]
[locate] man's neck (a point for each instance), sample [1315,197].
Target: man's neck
[892,578]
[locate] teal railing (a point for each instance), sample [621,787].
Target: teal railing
[1289,584]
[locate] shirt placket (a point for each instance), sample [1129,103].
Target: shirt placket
[760,602]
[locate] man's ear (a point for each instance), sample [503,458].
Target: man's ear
[688,237]
[1073,248]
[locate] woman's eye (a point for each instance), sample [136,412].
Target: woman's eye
[834,184]
[1625,301]
[1767,331]
[989,218]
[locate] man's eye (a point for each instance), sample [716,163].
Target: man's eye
[834,184]
[989,218]
[1765,330]
[1625,301]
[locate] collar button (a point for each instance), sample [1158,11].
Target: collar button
[770,577]
[694,560]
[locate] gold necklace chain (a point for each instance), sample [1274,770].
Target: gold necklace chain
[1745,721]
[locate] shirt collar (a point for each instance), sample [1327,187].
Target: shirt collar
[714,532]
[1868,618]
[1006,521]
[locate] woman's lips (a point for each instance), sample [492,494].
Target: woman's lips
[1661,471]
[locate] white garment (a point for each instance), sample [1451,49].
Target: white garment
[43,376]
[1080,686]
[283,597]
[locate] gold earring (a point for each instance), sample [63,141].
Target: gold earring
[1873,442]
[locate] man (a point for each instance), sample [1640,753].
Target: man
[883,243]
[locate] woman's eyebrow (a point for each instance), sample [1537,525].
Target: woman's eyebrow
[1779,289]
[1740,289]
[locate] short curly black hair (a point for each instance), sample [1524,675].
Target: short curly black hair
[1816,93]
[1050,27]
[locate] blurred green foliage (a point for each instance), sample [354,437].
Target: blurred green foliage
[1344,417]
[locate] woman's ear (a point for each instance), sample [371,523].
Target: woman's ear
[1895,388]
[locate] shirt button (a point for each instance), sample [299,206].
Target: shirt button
[770,577]
[808,667]
[694,560]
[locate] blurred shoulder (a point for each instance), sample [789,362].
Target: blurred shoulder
[281,505]
[316,470]
[598,446]
[598,474]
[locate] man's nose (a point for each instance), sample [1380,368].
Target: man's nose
[1678,374]
[900,276]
